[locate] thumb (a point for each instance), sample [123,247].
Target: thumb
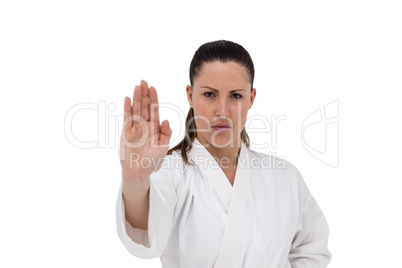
[166,132]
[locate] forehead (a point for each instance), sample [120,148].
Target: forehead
[222,74]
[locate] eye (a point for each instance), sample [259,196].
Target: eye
[208,94]
[237,96]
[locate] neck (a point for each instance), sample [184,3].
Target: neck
[227,156]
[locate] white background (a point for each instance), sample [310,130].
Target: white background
[58,200]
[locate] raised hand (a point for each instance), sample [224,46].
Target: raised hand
[143,142]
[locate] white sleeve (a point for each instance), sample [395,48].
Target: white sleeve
[151,243]
[309,247]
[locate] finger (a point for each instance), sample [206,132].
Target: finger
[166,133]
[154,108]
[127,113]
[144,100]
[136,109]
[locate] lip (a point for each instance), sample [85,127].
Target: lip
[221,127]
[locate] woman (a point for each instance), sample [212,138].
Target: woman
[211,201]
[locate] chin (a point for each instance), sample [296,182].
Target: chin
[221,141]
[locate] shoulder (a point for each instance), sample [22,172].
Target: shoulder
[277,173]
[169,176]
[273,164]
[172,163]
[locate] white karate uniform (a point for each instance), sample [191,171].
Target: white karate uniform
[197,219]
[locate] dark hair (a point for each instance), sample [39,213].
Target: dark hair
[224,51]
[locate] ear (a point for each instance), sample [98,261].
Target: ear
[252,97]
[189,91]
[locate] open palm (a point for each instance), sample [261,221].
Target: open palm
[144,142]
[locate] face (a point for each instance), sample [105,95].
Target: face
[221,98]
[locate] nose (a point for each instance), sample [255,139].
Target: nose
[222,109]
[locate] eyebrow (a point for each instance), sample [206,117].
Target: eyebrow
[234,90]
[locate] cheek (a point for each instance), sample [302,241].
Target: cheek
[202,110]
[201,117]
[240,113]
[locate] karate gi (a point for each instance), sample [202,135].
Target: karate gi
[197,219]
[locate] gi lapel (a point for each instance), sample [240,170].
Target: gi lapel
[207,164]
[234,197]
